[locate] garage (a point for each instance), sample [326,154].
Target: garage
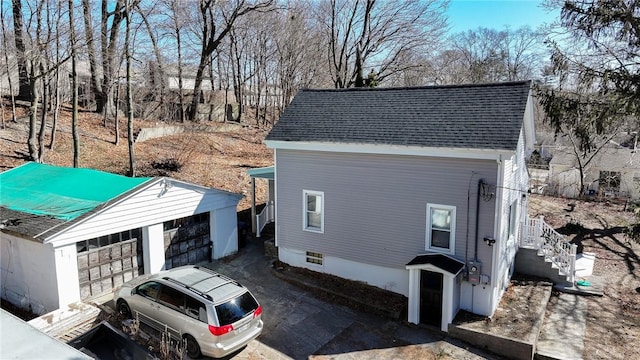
[187,241]
[108,261]
[82,232]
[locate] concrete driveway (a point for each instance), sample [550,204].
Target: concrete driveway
[300,326]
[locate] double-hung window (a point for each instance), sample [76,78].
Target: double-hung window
[441,225]
[313,211]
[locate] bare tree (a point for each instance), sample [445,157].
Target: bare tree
[56,85]
[74,86]
[24,91]
[96,84]
[177,26]
[374,34]
[217,20]
[127,48]
[7,64]
[299,48]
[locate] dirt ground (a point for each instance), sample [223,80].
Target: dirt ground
[220,159]
[613,321]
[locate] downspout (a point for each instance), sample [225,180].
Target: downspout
[497,231]
[475,252]
[480,184]
[466,248]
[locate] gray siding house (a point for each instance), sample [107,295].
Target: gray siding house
[420,191]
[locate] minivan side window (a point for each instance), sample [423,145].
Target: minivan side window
[149,290]
[196,309]
[235,309]
[171,297]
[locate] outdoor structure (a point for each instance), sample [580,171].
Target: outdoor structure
[421,191]
[267,214]
[613,172]
[70,234]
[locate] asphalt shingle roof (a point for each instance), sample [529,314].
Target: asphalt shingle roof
[483,116]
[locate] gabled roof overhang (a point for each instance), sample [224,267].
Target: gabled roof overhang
[438,262]
[384,149]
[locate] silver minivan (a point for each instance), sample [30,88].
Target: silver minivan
[213,313]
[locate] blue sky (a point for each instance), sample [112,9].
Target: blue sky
[471,14]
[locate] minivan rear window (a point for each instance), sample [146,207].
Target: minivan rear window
[236,309]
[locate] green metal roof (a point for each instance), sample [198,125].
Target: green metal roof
[60,192]
[262,173]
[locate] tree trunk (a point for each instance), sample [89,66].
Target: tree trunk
[127,49]
[74,85]
[104,99]
[43,117]
[96,86]
[56,109]
[115,118]
[193,110]
[33,115]
[25,86]
[6,61]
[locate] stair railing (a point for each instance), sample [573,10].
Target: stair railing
[266,216]
[537,234]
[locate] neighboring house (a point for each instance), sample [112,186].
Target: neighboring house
[420,191]
[70,234]
[613,172]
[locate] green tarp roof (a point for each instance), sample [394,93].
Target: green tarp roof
[61,192]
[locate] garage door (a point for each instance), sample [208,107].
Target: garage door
[187,241]
[108,261]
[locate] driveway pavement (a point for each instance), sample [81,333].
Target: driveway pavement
[300,326]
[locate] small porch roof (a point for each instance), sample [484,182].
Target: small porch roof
[441,261]
[262,173]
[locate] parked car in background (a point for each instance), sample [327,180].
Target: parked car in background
[213,313]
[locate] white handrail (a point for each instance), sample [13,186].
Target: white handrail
[537,234]
[265,217]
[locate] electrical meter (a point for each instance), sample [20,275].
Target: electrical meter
[473,272]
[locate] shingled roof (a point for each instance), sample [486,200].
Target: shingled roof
[483,116]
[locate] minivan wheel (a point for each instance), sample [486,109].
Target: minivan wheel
[123,309]
[193,349]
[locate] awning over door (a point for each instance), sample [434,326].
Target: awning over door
[261,173]
[438,263]
[441,261]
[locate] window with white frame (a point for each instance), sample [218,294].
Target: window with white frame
[441,225]
[513,219]
[313,203]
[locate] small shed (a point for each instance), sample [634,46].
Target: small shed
[72,234]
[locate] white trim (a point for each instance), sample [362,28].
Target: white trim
[463,153]
[448,284]
[54,235]
[305,225]
[275,198]
[452,231]
[497,231]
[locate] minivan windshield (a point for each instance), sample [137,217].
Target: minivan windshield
[235,309]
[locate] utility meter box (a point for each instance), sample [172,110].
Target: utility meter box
[473,272]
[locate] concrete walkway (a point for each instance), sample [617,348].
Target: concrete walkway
[563,329]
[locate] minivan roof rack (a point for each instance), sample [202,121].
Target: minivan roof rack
[194,290]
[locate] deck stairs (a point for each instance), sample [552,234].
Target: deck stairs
[546,253]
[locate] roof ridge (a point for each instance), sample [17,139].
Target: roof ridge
[446,86]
